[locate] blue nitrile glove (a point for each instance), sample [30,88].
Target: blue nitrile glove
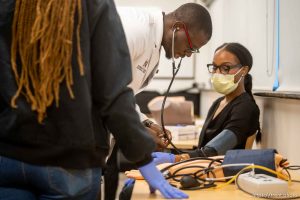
[160,157]
[128,182]
[156,181]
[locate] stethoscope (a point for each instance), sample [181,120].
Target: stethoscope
[200,171]
[175,71]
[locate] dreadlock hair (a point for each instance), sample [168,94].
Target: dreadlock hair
[245,58]
[196,18]
[41,50]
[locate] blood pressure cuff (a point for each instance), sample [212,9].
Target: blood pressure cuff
[263,157]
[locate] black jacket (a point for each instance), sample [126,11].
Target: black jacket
[75,134]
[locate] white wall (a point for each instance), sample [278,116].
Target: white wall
[249,22]
[253,23]
[289,69]
[281,127]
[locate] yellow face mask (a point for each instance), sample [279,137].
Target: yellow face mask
[224,83]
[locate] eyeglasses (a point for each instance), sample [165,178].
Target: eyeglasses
[224,69]
[191,49]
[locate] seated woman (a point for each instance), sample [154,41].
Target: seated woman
[233,117]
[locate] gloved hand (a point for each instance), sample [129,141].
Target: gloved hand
[160,157]
[156,181]
[128,182]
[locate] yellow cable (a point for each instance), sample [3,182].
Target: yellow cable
[254,167]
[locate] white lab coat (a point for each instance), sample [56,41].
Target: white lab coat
[144,31]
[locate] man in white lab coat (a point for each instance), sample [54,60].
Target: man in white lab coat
[181,33]
[147,29]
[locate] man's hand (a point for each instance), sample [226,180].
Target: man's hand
[158,135]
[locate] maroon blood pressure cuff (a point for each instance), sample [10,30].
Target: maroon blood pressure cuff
[263,157]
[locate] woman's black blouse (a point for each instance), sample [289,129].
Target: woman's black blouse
[241,116]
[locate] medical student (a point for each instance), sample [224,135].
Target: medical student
[149,29]
[181,33]
[58,99]
[233,117]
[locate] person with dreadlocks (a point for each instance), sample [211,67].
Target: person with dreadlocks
[58,101]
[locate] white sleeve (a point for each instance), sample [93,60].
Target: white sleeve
[135,31]
[143,117]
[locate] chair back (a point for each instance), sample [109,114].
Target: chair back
[250,141]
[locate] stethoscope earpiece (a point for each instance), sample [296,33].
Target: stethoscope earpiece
[176,29]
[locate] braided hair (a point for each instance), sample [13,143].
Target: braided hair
[41,50]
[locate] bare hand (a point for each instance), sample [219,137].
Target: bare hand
[161,139]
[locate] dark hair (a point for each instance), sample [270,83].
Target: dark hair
[196,18]
[245,58]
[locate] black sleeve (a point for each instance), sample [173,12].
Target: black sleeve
[208,118]
[205,151]
[111,73]
[243,120]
